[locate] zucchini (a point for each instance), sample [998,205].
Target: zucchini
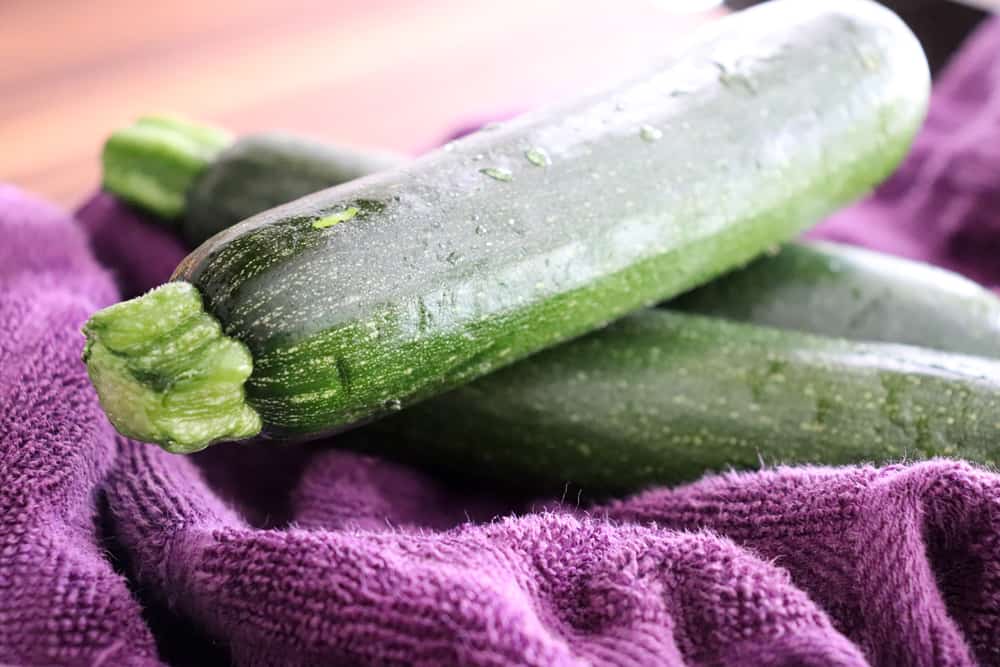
[368,297]
[663,396]
[175,168]
[820,287]
[848,292]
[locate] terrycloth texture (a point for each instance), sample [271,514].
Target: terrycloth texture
[140,254]
[905,560]
[61,602]
[304,555]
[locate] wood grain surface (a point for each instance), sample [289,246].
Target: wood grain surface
[392,73]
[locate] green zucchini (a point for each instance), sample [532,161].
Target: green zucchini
[175,168]
[819,287]
[848,292]
[663,396]
[371,296]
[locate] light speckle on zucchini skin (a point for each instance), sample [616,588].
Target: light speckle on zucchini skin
[335,218]
[431,285]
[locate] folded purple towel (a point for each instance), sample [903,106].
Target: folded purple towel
[141,254]
[117,553]
[61,601]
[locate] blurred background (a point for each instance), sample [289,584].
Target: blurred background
[399,74]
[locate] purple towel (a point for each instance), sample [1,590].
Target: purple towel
[117,553]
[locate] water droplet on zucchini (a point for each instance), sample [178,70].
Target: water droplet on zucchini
[538,157]
[650,133]
[870,61]
[498,173]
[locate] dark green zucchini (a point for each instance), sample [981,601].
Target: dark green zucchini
[662,396]
[819,287]
[371,296]
[176,168]
[847,292]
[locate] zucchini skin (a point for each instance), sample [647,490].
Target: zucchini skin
[662,397]
[475,256]
[848,292]
[263,170]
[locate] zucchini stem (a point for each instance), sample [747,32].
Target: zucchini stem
[155,161]
[166,373]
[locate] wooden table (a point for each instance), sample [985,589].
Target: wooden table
[392,73]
